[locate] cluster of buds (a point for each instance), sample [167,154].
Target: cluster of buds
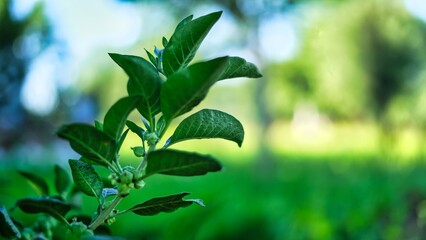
[130,178]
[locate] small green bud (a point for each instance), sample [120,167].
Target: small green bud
[139,184]
[126,177]
[151,138]
[110,221]
[123,189]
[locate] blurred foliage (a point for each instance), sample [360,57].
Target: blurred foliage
[356,60]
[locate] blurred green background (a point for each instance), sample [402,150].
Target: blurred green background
[335,130]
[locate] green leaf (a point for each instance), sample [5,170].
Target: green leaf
[121,140]
[89,142]
[209,123]
[135,128]
[62,180]
[99,125]
[187,88]
[163,204]
[86,178]
[139,151]
[8,228]
[115,118]
[37,182]
[239,67]
[161,124]
[179,163]
[144,81]
[164,41]
[52,206]
[152,59]
[185,41]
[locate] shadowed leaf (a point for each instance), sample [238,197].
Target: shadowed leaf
[37,182]
[52,206]
[179,163]
[163,204]
[8,228]
[62,180]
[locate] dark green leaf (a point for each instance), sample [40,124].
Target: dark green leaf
[164,42]
[52,206]
[184,22]
[173,162]
[62,180]
[121,140]
[151,57]
[239,67]
[163,204]
[135,128]
[144,81]
[89,142]
[8,228]
[37,182]
[86,178]
[185,42]
[116,117]
[209,123]
[187,88]
[161,124]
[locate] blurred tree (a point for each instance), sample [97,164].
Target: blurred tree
[15,122]
[355,61]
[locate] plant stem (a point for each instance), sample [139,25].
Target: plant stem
[105,213]
[143,163]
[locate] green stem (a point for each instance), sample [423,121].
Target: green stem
[144,162]
[105,213]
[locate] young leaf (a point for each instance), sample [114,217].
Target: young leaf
[8,228]
[151,57]
[239,67]
[144,81]
[37,182]
[187,88]
[62,180]
[89,142]
[185,41]
[52,206]
[163,204]
[179,163]
[209,123]
[115,118]
[86,178]
[164,41]
[99,125]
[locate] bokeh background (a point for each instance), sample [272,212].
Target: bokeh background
[335,130]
